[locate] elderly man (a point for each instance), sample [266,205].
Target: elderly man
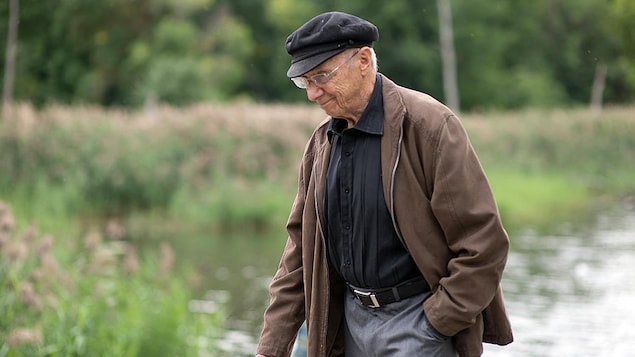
[395,245]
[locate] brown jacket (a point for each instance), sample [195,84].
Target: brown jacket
[444,212]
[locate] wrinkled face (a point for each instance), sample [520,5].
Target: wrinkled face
[339,96]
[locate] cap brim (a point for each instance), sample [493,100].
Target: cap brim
[304,65]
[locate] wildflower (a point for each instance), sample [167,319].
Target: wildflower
[29,236]
[7,220]
[49,263]
[7,223]
[45,245]
[29,297]
[37,275]
[25,336]
[17,252]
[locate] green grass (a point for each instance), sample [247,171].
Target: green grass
[536,200]
[52,207]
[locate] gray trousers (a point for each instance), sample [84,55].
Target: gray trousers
[397,329]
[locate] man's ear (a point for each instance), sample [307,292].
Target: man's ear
[365,59]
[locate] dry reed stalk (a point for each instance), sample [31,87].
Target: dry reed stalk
[25,336]
[131,263]
[92,240]
[31,233]
[7,220]
[115,230]
[167,258]
[45,245]
[103,261]
[7,224]
[17,252]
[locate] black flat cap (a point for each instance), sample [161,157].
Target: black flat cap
[324,36]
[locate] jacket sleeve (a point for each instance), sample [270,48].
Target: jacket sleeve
[285,312]
[464,206]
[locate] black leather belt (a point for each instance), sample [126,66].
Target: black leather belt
[381,297]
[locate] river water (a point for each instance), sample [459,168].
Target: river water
[569,291]
[573,293]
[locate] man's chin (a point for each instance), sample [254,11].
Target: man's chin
[327,108]
[331,114]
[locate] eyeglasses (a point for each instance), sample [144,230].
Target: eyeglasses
[319,79]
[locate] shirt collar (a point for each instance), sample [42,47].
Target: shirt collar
[372,119]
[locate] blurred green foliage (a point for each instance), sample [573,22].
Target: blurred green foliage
[229,168]
[208,166]
[510,54]
[96,296]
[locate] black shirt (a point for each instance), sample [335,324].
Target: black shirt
[361,241]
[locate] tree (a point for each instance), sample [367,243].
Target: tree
[510,54]
[620,27]
[446,34]
[9,64]
[599,83]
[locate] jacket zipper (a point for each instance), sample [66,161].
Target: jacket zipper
[392,184]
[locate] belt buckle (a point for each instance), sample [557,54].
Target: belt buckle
[370,296]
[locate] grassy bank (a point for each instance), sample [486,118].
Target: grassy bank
[595,150]
[548,166]
[203,163]
[235,166]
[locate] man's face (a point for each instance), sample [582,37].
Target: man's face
[337,97]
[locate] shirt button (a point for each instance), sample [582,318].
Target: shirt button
[348,262]
[347,226]
[346,190]
[347,153]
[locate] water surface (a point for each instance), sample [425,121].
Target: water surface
[573,293]
[569,292]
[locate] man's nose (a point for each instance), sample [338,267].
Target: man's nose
[313,92]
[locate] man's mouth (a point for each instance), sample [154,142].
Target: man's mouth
[325,102]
